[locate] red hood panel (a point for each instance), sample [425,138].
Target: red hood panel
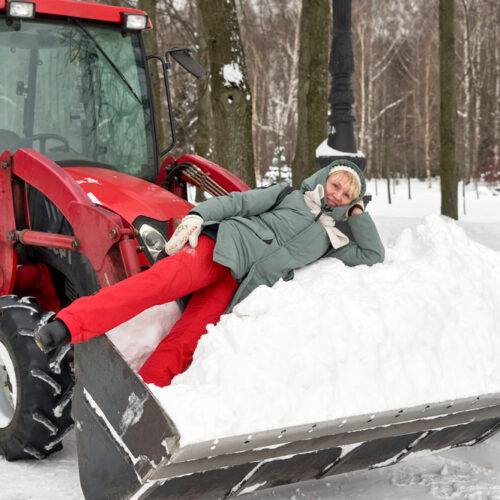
[128,196]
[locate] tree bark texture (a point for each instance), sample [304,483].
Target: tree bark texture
[496,123]
[427,109]
[448,110]
[312,92]
[230,90]
[202,139]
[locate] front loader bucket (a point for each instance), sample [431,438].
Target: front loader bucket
[128,447]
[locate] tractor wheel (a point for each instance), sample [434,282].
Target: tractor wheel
[36,388]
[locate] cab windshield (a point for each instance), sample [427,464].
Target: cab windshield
[76,93]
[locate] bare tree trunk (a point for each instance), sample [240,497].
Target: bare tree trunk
[427,130]
[448,110]
[417,137]
[405,160]
[477,108]
[369,115]
[496,126]
[386,161]
[293,74]
[312,93]
[384,146]
[467,96]
[202,136]
[361,32]
[230,90]
[258,112]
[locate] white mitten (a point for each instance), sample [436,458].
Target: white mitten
[188,229]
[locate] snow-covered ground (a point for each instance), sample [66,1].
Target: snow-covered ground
[472,473]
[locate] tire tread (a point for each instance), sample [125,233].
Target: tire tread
[43,413]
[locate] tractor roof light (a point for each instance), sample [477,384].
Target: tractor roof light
[135,21]
[21,9]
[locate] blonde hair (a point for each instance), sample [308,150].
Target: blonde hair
[353,187]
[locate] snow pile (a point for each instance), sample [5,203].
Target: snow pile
[137,343]
[337,341]
[232,75]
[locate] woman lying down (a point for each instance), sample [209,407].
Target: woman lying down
[236,243]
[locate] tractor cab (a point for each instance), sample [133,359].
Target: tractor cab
[77,91]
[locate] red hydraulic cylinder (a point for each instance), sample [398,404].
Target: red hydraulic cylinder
[50,240]
[128,251]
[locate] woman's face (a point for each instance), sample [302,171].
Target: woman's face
[337,190]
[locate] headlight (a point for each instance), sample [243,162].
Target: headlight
[135,21]
[152,239]
[21,9]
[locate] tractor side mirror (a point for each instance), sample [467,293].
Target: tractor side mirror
[184,58]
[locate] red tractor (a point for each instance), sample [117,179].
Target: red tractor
[85,197]
[86,200]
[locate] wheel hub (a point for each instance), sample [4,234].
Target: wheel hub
[8,387]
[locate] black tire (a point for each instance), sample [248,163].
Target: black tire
[40,416]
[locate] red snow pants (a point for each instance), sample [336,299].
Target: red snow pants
[190,270]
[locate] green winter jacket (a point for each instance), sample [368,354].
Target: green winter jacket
[260,246]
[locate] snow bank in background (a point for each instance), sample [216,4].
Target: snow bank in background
[337,341]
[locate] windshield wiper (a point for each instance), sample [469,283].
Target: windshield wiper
[103,52]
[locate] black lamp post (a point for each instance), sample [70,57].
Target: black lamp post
[340,143]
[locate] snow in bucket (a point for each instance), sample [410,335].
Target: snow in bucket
[338,341]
